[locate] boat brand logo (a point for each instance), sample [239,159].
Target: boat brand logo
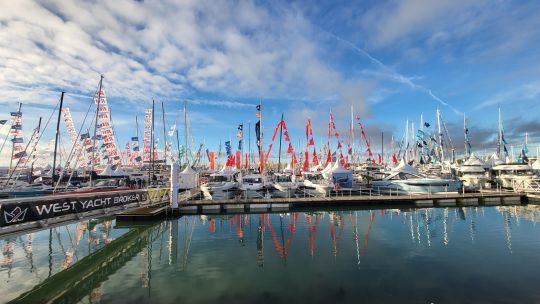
[16,215]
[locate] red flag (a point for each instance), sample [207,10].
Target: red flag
[306,161]
[380,159]
[341,160]
[238,160]
[258,115]
[311,142]
[328,157]
[290,148]
[247,161]
[212,160]
[315,159]
[339,145]
[394,158]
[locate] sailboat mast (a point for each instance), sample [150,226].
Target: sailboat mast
[422,134]
[151,169]
[249,145]
[499,139]
[185,133]
[38,129]
[57,134]
[382,147]
[95,129]
[177,143]
[280,135]
[164,134]
[351,152]
[13,143]
[465,134]
[406,141]
[440,135]
[261,143]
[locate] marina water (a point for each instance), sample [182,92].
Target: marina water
[437,255]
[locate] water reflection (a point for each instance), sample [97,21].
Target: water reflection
[85,262]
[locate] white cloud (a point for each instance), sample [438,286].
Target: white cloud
[162,49]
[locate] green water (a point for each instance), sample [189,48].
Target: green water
[440,255]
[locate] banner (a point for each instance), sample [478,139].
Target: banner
[30,211]
[212,159]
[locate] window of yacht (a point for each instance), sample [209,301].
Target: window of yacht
[252,180]
[284,179]
[218,179]
[313,177]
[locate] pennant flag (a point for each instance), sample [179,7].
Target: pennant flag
[290,148]
[427,124]
[524,157]
[134,138]
[172,129]
[17,140]
[3,122]
[328,157]
[19,155]
[228,148]
[16,127]
[258,134]
[240,145]
[238,159]
[305,167]
[315,159]
[211,160]
[258,111]
[16,114]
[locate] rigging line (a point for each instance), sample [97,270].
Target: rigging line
[40,134]
[73,147]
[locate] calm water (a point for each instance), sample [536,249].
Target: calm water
[453,255]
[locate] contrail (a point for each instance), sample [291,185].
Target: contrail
[395,75]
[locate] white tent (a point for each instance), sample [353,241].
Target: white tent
[189,178]
[405,168]
[119,172]
[493,161]
[536,165]
[108,171]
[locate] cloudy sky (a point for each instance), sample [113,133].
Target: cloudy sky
[391,60]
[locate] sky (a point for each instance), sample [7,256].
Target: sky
[390,60]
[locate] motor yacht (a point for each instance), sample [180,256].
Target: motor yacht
[407,179]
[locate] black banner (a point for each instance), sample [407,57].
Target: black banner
[30,211]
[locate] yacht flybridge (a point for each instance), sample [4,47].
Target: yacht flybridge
[221,185]
[517,176]
[473,174]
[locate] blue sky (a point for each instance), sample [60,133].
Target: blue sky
[392,60]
